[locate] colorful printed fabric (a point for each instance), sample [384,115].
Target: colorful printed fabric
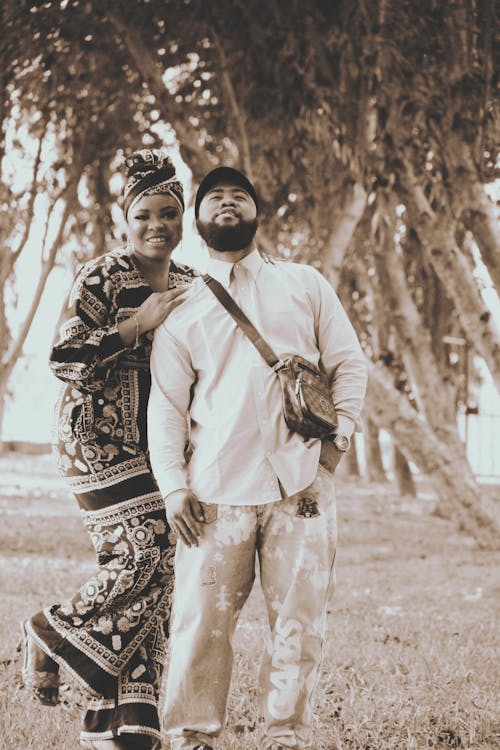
[110,637]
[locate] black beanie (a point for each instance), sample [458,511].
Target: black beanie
[224,174]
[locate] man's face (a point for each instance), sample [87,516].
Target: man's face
[227,218]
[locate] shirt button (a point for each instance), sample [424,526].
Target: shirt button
[100,401]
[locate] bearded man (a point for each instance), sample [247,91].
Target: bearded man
[253,488]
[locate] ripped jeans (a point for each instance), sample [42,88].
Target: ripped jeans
[295,540]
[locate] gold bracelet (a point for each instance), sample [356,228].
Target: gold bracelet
[137,331]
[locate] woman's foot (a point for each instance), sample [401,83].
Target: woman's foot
[124,742]
[113,744]
[40,673]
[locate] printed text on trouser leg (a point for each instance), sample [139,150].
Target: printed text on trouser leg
[285,669]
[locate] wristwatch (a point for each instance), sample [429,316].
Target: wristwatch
[341,442]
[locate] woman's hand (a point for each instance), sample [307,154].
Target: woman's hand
[150,314]
[155,309]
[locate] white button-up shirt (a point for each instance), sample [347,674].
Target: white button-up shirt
[206,373]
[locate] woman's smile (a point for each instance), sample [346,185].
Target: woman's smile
[155,226]
[157,239]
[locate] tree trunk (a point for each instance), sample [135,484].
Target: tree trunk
[16,348]
[351,461]
[471,201]
[435,231]
[344,223]
[191,150]
[431,393]
[459,495]
[403,475]
[485,232]
[238,116]
[374,463]
[3,396]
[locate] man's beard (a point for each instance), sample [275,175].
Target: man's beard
[226,239]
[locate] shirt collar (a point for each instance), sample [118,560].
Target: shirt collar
[221,269]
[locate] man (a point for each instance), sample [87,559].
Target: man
[252,487]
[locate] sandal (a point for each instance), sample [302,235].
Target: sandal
[40,673]
[125,742]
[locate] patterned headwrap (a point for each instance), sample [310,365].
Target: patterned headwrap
[150,172]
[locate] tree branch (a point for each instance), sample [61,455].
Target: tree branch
[47,266]
[195,155]
[458,492]
[239,117]
[344,226]
[9,259]
[436,233]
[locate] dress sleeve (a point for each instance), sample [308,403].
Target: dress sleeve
[88,342]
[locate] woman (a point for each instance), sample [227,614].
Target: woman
[110,636]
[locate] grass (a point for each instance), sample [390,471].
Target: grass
[412,650]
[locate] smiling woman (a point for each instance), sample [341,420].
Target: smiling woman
[154,228]
[110,637]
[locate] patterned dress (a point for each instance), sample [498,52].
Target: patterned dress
[110,637]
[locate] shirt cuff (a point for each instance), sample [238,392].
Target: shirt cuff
[345,426]
[170,481]
[184,489]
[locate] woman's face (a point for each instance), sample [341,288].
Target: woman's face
[155,226]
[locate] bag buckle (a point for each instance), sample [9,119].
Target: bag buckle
[280,364]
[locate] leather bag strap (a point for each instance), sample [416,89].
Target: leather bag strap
[242,321]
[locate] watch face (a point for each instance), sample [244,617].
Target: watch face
[342,442]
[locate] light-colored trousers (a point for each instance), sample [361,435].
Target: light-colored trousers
[295,541]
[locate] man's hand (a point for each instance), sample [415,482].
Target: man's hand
[329,457]
[184,516]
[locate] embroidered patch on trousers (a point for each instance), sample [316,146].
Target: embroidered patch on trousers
[307,507]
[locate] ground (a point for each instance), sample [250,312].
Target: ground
[412,649]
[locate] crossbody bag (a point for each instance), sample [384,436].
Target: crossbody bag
[307,402]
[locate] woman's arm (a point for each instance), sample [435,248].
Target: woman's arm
[89,340]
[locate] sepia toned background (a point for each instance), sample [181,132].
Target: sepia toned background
[371,131]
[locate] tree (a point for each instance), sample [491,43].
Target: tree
[370,133]
[58,101]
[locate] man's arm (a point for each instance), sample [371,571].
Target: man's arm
[171,379]
[341,355]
